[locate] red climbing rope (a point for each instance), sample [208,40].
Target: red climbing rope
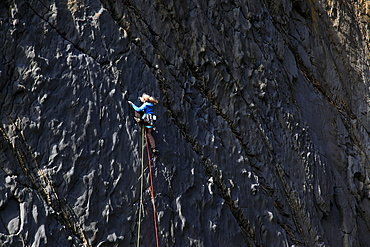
[151,187]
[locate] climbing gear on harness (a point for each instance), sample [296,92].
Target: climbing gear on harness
[149,119]
[138,120]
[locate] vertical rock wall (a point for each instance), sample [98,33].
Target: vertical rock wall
[263,122]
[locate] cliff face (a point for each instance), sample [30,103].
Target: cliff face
[263,122]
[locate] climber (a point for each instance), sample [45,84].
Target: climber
[145,114]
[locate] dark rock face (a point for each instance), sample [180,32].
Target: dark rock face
[263,122]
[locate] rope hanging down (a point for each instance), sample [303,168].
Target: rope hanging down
[151,188]
[152,191]
[141,188]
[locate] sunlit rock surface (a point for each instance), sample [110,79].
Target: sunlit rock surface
[263,122]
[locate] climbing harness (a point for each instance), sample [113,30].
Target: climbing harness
[149,118]
[151,189]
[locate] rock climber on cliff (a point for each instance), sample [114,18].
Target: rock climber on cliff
[145,114]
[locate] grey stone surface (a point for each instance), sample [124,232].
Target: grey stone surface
[263,122]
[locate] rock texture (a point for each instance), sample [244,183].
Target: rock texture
[263,127]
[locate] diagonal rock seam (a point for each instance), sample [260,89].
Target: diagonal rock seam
[80,49]
[307,233]
[180,71]
[107,65]
[210,168]
[40,182]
